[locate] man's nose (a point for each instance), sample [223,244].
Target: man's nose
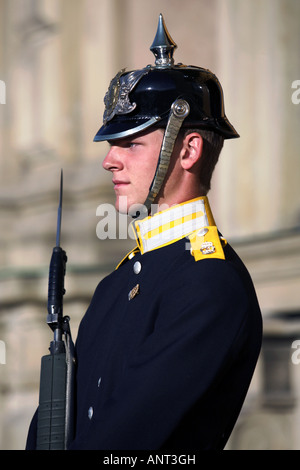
[112,161]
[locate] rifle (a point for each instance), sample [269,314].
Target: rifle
[55,427]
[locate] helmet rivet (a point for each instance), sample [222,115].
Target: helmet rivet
[180,108]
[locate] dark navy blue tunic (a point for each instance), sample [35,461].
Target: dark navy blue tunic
[170,368]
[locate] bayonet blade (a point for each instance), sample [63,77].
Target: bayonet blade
[59,211]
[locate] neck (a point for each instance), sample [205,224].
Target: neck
[162,203]
[185,186]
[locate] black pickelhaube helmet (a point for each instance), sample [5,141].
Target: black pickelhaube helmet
[164,95]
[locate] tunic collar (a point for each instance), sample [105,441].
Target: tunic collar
[173,224]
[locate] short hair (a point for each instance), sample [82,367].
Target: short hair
[212,146]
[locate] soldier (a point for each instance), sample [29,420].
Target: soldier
[168,346]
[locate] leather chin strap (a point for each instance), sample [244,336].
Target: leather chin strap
[179,111]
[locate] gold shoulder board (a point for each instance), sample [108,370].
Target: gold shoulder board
[206,243]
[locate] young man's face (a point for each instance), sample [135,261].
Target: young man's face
[133,162]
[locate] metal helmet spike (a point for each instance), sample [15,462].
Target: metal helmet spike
[163,45]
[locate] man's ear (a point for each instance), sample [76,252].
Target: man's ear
[191,151]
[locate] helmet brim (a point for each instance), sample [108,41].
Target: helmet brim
[121,129]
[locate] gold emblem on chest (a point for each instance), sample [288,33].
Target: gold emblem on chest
[134,292]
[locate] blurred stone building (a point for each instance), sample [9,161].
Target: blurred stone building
[57,58]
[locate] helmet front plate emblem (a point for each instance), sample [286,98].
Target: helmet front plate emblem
[111,97]
[116,99]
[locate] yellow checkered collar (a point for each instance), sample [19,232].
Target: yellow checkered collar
[173,224]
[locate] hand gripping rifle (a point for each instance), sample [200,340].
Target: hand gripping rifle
[55,426]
